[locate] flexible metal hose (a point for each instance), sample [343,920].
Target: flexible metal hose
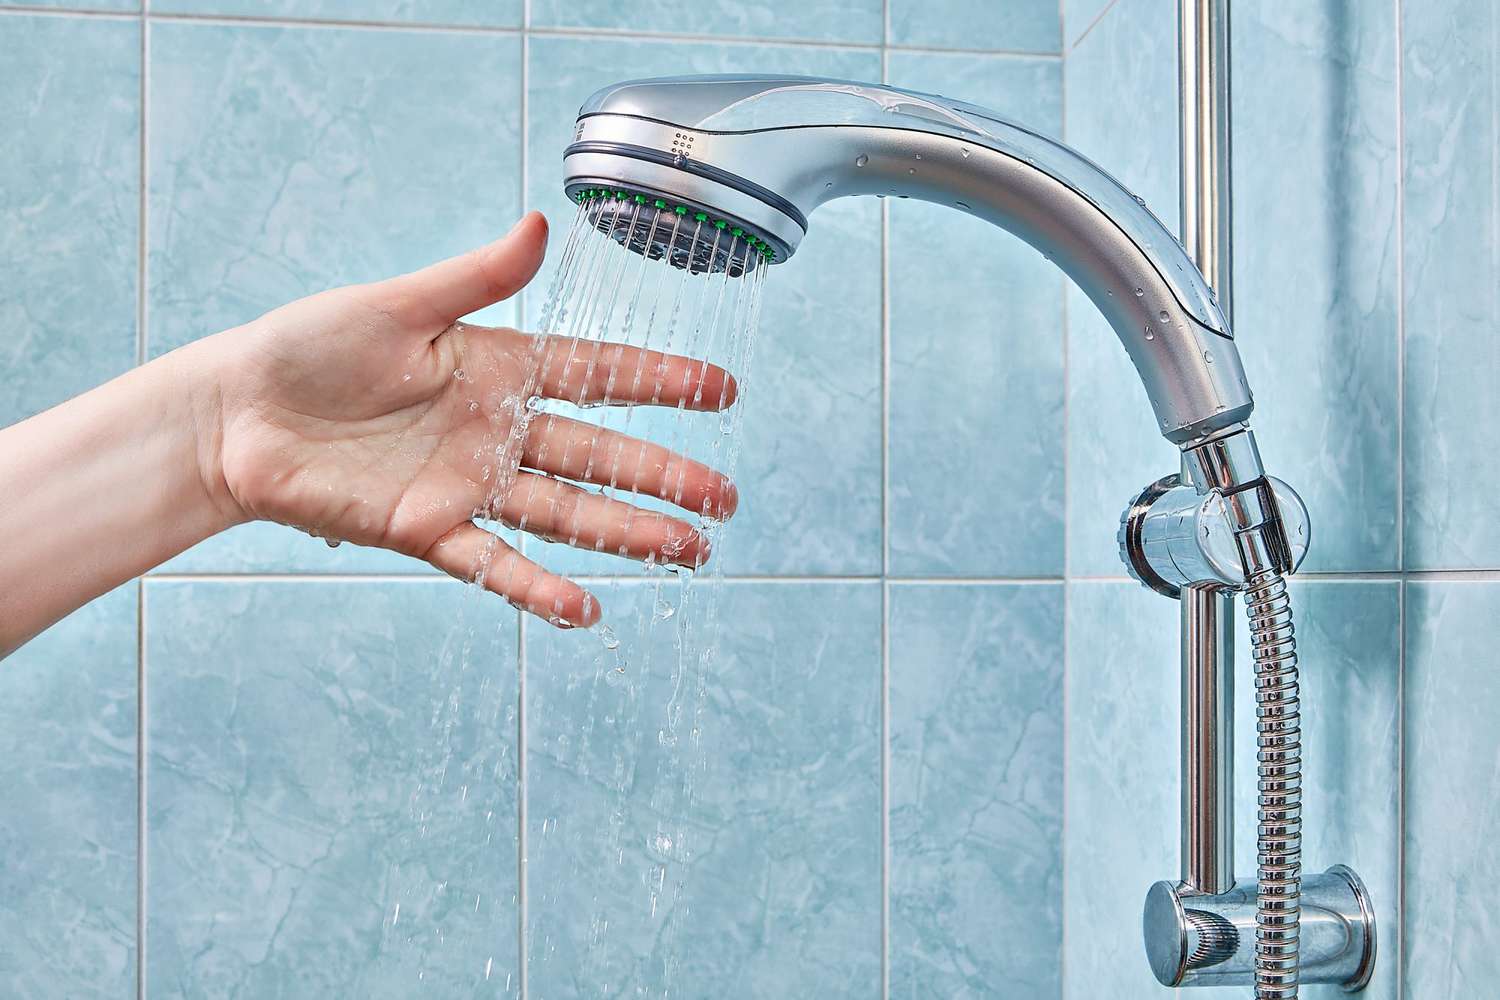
[1279,767]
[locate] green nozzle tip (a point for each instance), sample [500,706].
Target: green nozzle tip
[720,224]
[680,210]
[700,216]
[640,199]
[659,203]
[737,231]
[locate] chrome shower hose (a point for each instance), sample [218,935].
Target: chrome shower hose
[1279,769]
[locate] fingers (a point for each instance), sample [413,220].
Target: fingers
[581,372]
[574,449]
[462,553]
[563,512]
[455,287]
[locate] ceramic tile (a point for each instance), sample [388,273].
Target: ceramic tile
[67,833]
[484,13]
[1452,847]
[1013,25]
[976,775]
[319,754]
[703,830]
[1451,228]
[816,20]
[69,206]
[976,394]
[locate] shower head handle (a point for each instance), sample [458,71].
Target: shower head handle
[761,153]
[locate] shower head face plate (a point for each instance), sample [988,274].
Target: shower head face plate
[681,232]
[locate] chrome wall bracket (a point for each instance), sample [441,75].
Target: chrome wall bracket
[1198,940]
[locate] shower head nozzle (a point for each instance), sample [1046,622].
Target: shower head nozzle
[722,172]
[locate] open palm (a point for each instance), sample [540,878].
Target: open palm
[371,414]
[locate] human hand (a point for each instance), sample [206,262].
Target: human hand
[369,414]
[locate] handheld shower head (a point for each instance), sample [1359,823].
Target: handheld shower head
[754,156]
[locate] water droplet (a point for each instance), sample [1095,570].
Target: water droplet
[608,638]
[1139,200]
[919,156]
[911,170]
[615,676]
[964,151]
[828,185]
[666,738]
[662,844]
[406,377]
[458,373]
[1208,357]
[1150,333]
[1139,292]
[333,543]
[663,609]
[1163,316]
[861,160]
[473,406]
[962,205]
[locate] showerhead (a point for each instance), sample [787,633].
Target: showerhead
[715,172]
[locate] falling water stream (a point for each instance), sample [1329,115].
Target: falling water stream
[614,720]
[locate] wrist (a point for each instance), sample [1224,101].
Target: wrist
[196,377]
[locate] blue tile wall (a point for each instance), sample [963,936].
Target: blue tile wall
[779,845]
[1315,258]
[1014,803]
[814,20]
[69,246]
[1452,701]
[489,13]
[1122,92]
[965,501]
[1120,798]
[68,831]
[1452,272]
[976,774]
[289,740]
[1015,25]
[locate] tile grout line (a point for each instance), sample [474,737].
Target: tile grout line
[885,549]
[1400,929]
[140,788]
[143,96]
[558,32]
[1062,852]
[523,787]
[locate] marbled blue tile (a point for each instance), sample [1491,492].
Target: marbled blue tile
[810,466]
[1349,652]
[1121,790]
[67,832]
[735,852]
[976,775]
[318,753]
[69,206]
[285,161]
[481,13]
[1122,113]
[1452,831]
[91,5]
[1011,26]
[813,20]
[976,341]
[1080,16]
[1315,295]
[1451,165]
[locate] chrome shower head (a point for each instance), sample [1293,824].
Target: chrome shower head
[753,156]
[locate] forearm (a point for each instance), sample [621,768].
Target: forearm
[103,487]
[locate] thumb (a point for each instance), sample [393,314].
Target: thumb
[455,287]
